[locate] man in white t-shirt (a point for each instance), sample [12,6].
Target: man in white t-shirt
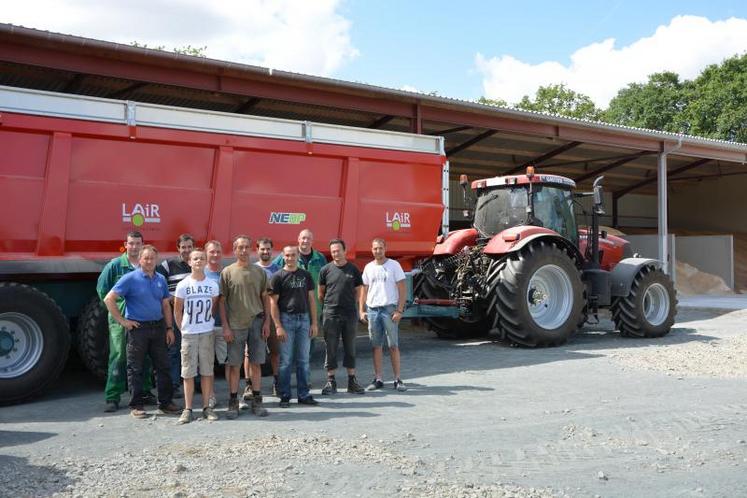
[382,304]
[195,301]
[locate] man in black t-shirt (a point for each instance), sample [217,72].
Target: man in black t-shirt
[340,284]
[175,270]
[293,310]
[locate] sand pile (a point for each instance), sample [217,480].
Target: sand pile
[691,281]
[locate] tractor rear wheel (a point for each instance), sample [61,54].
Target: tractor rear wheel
[650,307]
[538,296]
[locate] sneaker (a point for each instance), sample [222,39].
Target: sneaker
[149,398]
[233,409]
[354,387]
[185,417]
[248,393]
[308,400]
[111,406]
[275,391]
[257,408]
[138,412]
[209,414]
[399,386]
[375,384]
[285,403]
[243,405]
[170,409]
[330,387]
[212,402]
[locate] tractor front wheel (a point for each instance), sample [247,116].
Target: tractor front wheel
[650,307]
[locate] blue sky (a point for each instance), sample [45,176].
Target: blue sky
[432,45]
[463,49]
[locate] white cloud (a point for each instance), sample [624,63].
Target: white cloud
[296,35]
[686,45]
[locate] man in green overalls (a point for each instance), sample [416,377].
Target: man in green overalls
[116,377]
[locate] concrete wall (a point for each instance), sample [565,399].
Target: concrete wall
[712,254]
[715,205]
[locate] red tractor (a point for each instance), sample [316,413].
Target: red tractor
[526,273]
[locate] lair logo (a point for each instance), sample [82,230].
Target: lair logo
[139,214]
[398,220]
[286,218]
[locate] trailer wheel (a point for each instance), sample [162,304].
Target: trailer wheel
[93,338]
[649,309]
[34,342]
[538,296]
[447,328]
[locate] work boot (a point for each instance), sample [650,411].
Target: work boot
[138,412]
[169,409]
[354,387]
[330,387]
[233,409]
[257,408]
[185,417]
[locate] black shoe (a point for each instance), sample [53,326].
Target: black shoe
[330,387]
[309,401]
[354,387]
[111,406]
[149,398]
[375,384]
[285,403]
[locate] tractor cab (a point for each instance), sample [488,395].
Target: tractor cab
[539,200]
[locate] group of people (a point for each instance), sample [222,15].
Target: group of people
[178,318]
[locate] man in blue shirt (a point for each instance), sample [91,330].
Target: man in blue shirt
[149,324]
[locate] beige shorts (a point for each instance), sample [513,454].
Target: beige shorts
[197,349]
[221,348]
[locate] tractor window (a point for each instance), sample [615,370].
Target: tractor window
[500,209]
[553,208]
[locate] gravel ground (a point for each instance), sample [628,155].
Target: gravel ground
[600,416]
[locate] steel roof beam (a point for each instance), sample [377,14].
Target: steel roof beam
[247,105]
[381,121]
[126,91]
[544,157]
[648,181]
[450,130]
[613,165]
[74,83]
[472,141]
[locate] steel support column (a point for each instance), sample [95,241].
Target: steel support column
[662,208]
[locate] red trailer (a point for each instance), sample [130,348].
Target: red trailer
[77,173]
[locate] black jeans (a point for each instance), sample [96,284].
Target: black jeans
[334,327]
[151,341]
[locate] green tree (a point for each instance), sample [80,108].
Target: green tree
[657,104]
[559,99]
[718,101]
[494,102]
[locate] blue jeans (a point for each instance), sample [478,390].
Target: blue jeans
[295,349]
[175,359]
[381,326]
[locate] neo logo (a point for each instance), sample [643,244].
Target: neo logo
[287,218]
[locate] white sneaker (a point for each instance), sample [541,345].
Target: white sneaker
[243,405]
[400,386]
[212,402]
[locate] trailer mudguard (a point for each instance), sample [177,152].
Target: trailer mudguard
[622,276]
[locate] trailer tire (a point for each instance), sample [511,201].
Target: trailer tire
[34,342]
[538,296]
[649,309]
[93,338]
